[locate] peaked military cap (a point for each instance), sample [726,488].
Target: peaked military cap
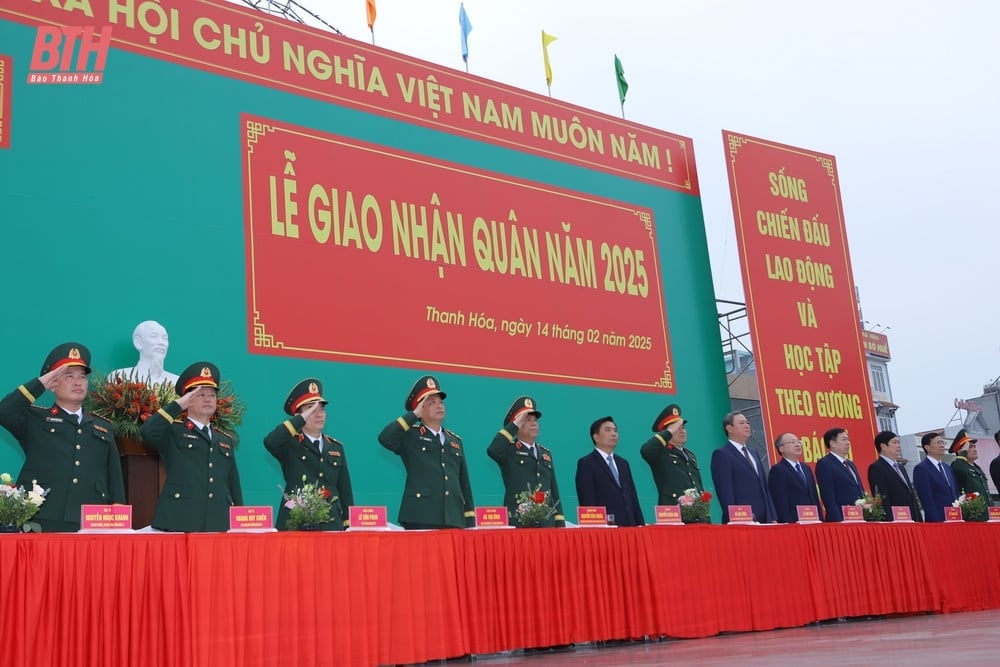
[308,391]
[670,414]
[424,387]
[961,441]
[199,374]
[67,354]
[522,404]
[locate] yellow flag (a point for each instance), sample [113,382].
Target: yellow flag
[546,40]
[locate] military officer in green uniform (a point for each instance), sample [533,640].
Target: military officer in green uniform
[969,476]
[437,493]
[306,453]
[524,464]
[674,466]
[68,451]
[202,480]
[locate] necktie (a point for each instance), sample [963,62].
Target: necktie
[75,418]
[861,490]
[441,437]
[746,455]
[899,471]
[614,469]
[947,479]
[531,450]
[802,473]
[207,432]
[319,445]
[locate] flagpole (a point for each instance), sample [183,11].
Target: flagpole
[623,111]
[549,86]
[373,35]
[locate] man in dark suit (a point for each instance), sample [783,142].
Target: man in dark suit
[738,474]
[838,477]
[790,481]
[886,477]
[934,480]
[995,465]
[202,479]
[674,466]
[604,479]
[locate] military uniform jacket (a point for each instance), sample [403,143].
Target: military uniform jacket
[299,457]
[673,473]
[77,463]
[202,479]
[970,478]
[437,491]
[521,471]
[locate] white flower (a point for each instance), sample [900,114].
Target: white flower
[957,503]
[5,478]
[860,502]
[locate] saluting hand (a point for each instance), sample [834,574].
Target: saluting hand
[419,408]
[50,379]
[186,400]
[676,426]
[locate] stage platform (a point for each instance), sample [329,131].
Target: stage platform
[307,598]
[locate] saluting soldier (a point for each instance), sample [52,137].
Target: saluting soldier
[524,463]
[202,480]
[68,451]
[437,492]
[674,466]
[970,477]
[305,452]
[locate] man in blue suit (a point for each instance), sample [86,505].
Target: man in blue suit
[604,479]
[738,474]
[888,478]
[934,480]
[790,481]
[838,477]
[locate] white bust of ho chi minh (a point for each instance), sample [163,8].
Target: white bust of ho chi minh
[151,339]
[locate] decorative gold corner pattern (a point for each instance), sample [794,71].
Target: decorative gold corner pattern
[667,381]
[255,131]
[735,142]
[261,338]
[647,219]
[827,163]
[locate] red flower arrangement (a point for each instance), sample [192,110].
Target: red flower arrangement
[127,403]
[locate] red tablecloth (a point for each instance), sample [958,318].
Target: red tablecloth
[301,599]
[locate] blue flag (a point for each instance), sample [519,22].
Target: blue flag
[466,26]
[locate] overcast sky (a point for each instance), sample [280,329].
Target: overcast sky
[904,94]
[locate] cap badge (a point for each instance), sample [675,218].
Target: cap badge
[430,383]
[528,403]
[206,372]
[313,389]
[74,353]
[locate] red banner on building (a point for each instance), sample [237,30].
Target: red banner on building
[402,259]
[5,93]
[808,351]
[876,344]
[239,42]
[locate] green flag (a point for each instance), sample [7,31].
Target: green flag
[620,78]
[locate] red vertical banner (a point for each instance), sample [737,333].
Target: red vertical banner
[5,91]
[800,294]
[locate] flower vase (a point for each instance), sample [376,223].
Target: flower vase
[9,528]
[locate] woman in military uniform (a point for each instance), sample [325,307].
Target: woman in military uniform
[70,452]
[202,480]
[306,453]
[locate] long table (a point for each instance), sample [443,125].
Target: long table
[304,598]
